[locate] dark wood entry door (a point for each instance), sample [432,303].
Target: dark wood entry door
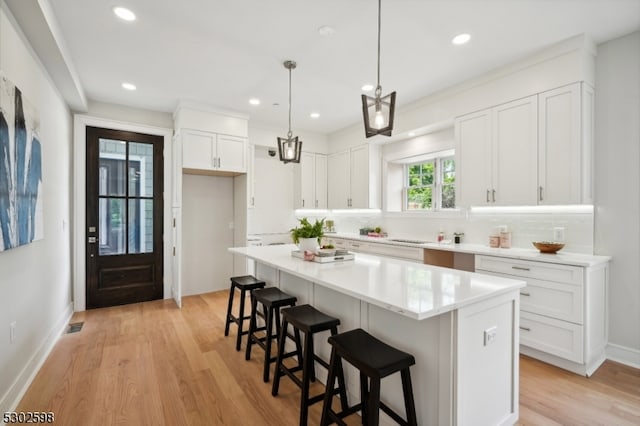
[124,217]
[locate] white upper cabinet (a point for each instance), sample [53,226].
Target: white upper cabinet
[251,176]
[210,152]
[535,150]
[354,178]
[496,150]
[311,181]
[565,145]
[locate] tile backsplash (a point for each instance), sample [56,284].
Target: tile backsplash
[525,225]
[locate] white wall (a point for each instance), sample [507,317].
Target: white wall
[130,115]
[617,190]
[35,280]
[207,211]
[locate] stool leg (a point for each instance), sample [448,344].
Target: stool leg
[267,353]
[342,387]
[409,404]
[307,369]
[328,396]
[232,290]
[277,373]
[252,327]
[240,320]
[364,398]
[374,402]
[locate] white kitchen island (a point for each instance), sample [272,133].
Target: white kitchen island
[461,327]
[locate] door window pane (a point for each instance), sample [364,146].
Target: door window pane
[140,169]
[140,226]
[112,227]
[113,155]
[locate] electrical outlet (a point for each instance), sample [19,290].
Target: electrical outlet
[12,332]
[490,335]
[558,234]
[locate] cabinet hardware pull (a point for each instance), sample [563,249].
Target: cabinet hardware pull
[525,294]
[540,193]
[253,201]
[355,245]
[525,328]
[303,202]
[493,195]
[316,204]
[487,195]
[520,268]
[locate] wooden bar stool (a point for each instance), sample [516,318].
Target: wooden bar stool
[375,360]
[243,283]
[271,299]
[308,320]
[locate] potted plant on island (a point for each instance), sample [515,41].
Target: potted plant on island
[307,235]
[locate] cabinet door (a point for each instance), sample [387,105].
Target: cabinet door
[198,150]
[515,151]
[359,177]
[251,179]
[231,153]
[338,180]
[473,158]
[307,180]
[176,185]
[321,181]
[560,153]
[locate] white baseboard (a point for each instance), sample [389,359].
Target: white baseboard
[14,394]
[623,355]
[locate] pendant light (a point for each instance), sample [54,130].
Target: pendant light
[378,111]
[289,148]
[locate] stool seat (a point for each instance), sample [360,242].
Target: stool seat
[243,283]
[370,355]
[308,319]
[273,296]
[247,282]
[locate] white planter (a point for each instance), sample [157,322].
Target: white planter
[308,244]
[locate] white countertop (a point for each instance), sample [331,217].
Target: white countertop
[411,289]
[565,258]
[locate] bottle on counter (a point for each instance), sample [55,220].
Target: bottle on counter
[505,237]
[440,236]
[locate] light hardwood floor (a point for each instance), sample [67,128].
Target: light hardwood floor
[154,364]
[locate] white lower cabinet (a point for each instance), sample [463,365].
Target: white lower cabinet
[562,310]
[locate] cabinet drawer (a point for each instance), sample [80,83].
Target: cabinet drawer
[338,243]
[359,247]
[409,253]
[560,338]
[528,269]
[551,299]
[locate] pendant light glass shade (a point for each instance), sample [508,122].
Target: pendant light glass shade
[289,148]
[378,111]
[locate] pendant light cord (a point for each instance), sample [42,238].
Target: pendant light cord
[289,134]
[378,88]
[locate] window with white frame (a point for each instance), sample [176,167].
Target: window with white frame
[430,182]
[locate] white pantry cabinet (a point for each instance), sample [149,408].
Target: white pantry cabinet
[204,152]
[311,181]
[563,310]
[496,150]
[251,176]
[354,178]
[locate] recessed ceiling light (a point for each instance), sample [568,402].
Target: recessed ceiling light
[367,87]
[124,13]
[326,30]
[314,115]
[254,101]
[128,86]
[412,134]
[461,39]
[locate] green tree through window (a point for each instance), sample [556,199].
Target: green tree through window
[430,185]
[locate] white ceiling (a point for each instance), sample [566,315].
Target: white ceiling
[224,52]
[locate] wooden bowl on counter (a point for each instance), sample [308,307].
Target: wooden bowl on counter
[548,246]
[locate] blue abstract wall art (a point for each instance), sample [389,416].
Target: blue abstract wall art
[21,216]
